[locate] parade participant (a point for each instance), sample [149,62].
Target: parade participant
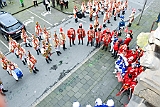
[81,33]
[118,8]
[106,39]
[127,40]
[46,51]
[110,103]
[113,40]
[91,13]
[4,63]
[121,25]
[62,37]
[114,10]
[31,61]
[99,37]
[11,66]
[38,31]
[25,38]
[75,10]
[2,90]
[12,46]
[105,18]
[36,44]
[90,34]
[71,35]
[115,47]
[96,24]
[131,17]
[56,43]
[46,35]
[22,54]
[124,7]
[83,8]
[76,104]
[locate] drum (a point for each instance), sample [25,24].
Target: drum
[79,15]
[17,73]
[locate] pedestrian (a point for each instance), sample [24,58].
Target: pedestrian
[56,43]
[1,4]
[91,35]
[35,3]
[131,17]
[25,38]
[4,2]
[62,38]
[31,61]
[81,33]
[53,3]
[2,90]
[38,31]
[22,54]
[71,35]
[46,3]
[61,4]
[21,3]
[57,1]
[66,3]
[36,44]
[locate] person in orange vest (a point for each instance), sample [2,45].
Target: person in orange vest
[25,38]
[38,31]
[56,43]
[91,35]
[22,54]
[31,61]
[99,37]
[3,61]
[12,46]
[81,33]
[106,39]
[62,37]
[71,35]
[11,66]
[36,44]
[75,10]
[46,35]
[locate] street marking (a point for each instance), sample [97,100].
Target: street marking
[82,20]
[39,17]
[70,16]
[4,44]
[44,13]
[63,20]
[55,24]
[30,20]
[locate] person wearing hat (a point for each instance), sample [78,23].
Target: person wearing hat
[2,90]
[83,8]
[81,33]
[36,44]
[62,37]
[25,38]
[76,104]
[96,23]
[127,40]
[22,54]
[113,40]
[91,13]
[106,39]
[75,10]
[56,43]
[115,49]
[121,25]
[98,103]
[71,35]
[31,61]
[38,31]
[47,35]
[11,66]
[98,37]
[91,35]
[12,46]
[110,103]
[131,17]
[4,63]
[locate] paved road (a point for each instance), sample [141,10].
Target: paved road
[31,87]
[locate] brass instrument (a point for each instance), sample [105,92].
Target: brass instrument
[47,51]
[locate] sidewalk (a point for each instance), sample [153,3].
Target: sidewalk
[94,78]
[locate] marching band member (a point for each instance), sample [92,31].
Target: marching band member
[31,61]
[36,44]
[127,40]
[12,46]
[113,40]
[124,6]
[4,62]
[91,13]
[131,17]
[25,38]
[71,35]
[90,34]
[56,43]
[11,66]
[115,48]
[22,54]
[62,37]
[98,37]
[81,33]
[75,10]
[47,35]
[83,8]
[106,39]
[38,31]
[121,25]
[96,23]
[46,51]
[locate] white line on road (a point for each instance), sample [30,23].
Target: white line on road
[39,17]
[4,44]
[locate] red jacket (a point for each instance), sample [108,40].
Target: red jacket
[127,41]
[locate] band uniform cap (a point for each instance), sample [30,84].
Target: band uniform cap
[61,29]
[80,24]
[98,102]
[110,102]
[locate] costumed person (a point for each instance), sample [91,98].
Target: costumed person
[98,102]
[75,10]
[71,35]
[83,8]
[47,35]
[127,40]
[105,18]
[106,39]
[91,35]
[62,37]
[46,51]
[81,33]
[98,37]
[22,54]
[10,67]
[4,61]
[115,48]
[56,43]
[124,6]
[76,104]
[114,10]
[38,31]
[2,90]
[121,25]
[12,46]
[36,44]
[91,13]
[96,23]
[110,103]
[131,17]
[31,61]
[25,38]
[113,40]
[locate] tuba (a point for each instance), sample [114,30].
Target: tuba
[47,51]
